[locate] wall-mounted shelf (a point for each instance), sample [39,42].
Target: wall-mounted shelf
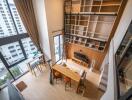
[90,22]
[94,13]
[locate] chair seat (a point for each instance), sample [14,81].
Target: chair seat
[67,79]
[57,75]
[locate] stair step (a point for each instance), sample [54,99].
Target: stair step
[106,70]
[102,88]
[106,73]
[105,78]
[104,84]
[104,81]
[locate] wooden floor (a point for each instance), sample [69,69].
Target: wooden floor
[40,89]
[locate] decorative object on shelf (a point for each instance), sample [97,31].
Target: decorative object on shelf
[93,62]
[64,64]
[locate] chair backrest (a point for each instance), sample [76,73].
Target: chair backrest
[32,65]
[83,78]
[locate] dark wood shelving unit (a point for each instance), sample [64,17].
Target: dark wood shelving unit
[89,22]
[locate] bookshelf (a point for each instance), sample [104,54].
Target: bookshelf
[89,22]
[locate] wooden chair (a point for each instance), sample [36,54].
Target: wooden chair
[33,66]
[41,62]
[82,85]
[57,75]
[67,81]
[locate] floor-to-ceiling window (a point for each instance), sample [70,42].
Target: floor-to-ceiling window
[4,74]
[15,44]
[58,44]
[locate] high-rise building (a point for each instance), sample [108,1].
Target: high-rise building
[12,52]
[19,24]
[7,27]
[29,47]
[15,44]
[7,19]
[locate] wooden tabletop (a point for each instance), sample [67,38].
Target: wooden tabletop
[67,72]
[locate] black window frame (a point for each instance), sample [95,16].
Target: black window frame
[60,56]
[11,39]
[117,72]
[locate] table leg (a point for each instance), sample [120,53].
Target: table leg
[77,89]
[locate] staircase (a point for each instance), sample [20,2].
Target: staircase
[103,78]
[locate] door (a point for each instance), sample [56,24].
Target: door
[58,44]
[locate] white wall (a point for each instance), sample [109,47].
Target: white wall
[111,91]
[49,16]
[126,18]
[39,8]
[124,23]
[54,14]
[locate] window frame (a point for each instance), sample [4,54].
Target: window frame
[10,39]
[60,56]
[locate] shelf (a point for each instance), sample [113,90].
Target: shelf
[86,2]
[98,39]
[87,37]
[103,28]
[80,36]
[100,5]
[91,27]
[106,18]
[94,13]
[109,9]
[87,47]
[106,13]
[103,4]
[101,22]
[111,3]
[90,22]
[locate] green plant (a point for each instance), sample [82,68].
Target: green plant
[15,71]
[2,81]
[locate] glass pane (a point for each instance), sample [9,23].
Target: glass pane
[19,24]
[29,47]
[16,71]
[4,74]
[61,46]
[125,71]
[7,27]
[56,44]
[124,62]
[124,45]
[12,53]
[19,69]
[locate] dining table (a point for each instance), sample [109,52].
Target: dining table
[66,71]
